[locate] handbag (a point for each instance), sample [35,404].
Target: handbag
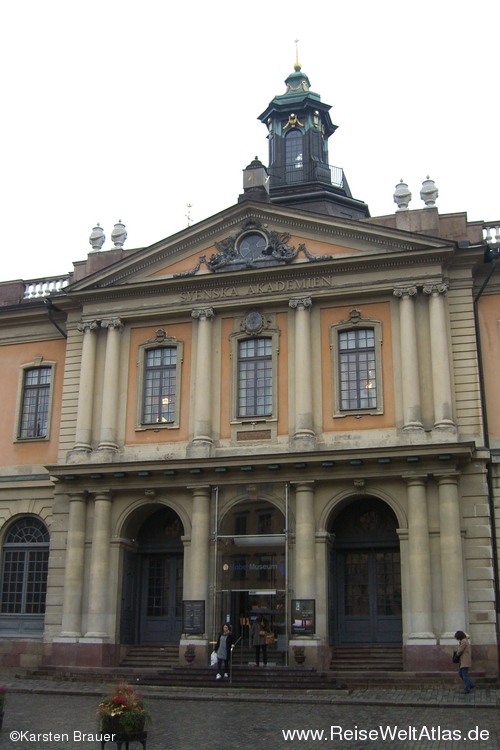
[213,659]
[455,658]
[269,639]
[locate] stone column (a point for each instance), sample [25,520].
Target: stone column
[200,544]
[99,567]
[420,563]
[412,416]
[304,438]
[86,392]
[202,437]
[452,566]
[74,568]
[441,370]
[305,551]
[109,413]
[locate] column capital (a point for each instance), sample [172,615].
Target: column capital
[307,485]
[112,324]
[101,494]
[450,477]
[435,289]
[203,313]
[405,291]
[300,303]
[88,326]
[81,495]
[415,478]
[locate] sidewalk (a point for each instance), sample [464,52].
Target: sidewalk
[442,698]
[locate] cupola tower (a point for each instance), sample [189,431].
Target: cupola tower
[299,126]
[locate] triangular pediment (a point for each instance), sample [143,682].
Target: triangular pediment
[255,237]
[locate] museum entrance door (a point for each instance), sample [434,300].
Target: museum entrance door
[365,576]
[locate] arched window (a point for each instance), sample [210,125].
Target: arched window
[25,560]
[294,158]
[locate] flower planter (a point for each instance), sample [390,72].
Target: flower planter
[300,659]
[129,726]
[189,658]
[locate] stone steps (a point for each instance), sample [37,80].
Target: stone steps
[367,658]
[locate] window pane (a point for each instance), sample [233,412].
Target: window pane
[160,385]
[357,374]
[293,157]
[255,377]
[35,402]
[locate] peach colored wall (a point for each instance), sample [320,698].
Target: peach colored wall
[331,316]
[317,247]
[181,332]
[225,416]
[12,357]
[489,316]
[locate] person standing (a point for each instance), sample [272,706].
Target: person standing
[464,654]
[259,630]
[223,648]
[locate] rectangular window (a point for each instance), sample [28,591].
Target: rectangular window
[35,402]
[357,369]
[255,363]
[160,376]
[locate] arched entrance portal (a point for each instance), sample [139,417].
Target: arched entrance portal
[365,575]
[153,582]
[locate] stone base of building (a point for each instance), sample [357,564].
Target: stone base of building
[438,658]
[21,654]
[82,653]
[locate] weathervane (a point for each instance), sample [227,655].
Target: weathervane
[188,215]
[297,65]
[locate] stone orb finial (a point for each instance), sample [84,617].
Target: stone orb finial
[402,196]
[429,192]
[119,234]
[97,237]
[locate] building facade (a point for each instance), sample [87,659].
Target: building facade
[289,406]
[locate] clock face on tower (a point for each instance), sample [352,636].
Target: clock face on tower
[252,245]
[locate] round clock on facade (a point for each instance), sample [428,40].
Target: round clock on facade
[253,321]
[252,245]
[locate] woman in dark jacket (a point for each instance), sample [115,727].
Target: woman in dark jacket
[465,663]
[223,648]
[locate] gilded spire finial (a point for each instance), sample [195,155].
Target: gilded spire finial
[297,65]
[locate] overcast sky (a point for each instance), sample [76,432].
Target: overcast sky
[132,110]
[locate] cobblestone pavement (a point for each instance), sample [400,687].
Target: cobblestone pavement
[227,719]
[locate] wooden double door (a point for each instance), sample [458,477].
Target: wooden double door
[365,576]
[152,588]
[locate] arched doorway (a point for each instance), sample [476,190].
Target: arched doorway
[365,575]
[153,582]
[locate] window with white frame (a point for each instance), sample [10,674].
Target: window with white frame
[158,401]
[357,367]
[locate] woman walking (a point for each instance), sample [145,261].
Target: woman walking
[464,653]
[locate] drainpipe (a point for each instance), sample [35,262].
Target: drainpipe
[492,256]
[50,309]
